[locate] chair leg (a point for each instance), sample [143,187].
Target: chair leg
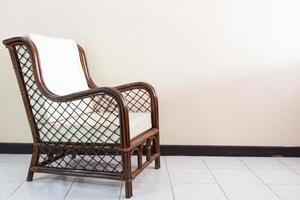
[34,160]
[127,173]
[157,163]
[128,189]
[29,175]
[140,156]
[157,150]
[148,149]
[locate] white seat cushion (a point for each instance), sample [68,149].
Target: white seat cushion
[139,123]
[60,64]
[97,127]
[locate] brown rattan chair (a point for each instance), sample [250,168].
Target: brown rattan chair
[78,128]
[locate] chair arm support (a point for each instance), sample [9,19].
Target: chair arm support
[151,92]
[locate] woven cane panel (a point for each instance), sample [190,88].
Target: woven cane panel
[81,127]
[138,100]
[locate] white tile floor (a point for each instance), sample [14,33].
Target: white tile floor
[180,177]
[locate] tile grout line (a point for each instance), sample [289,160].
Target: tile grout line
[169,177]
[214,178]
[69,188]
[120,194]
[4,158]
[266,184]
[294,170]
[15,190]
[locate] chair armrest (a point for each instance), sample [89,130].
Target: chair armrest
[141,97]
[89,93]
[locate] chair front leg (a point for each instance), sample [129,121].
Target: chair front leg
[33,162]
[127,173]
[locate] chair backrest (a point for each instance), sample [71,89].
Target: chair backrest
[60,64]
[62,73]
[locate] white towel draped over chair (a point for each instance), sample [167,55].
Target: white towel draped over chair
[60,64]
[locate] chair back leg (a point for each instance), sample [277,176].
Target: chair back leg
[157,163]
[157,150]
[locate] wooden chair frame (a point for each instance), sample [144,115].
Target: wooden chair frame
[58,155]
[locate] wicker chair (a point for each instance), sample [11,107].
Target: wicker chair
[78,128]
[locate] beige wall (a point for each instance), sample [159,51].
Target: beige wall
[227,72]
